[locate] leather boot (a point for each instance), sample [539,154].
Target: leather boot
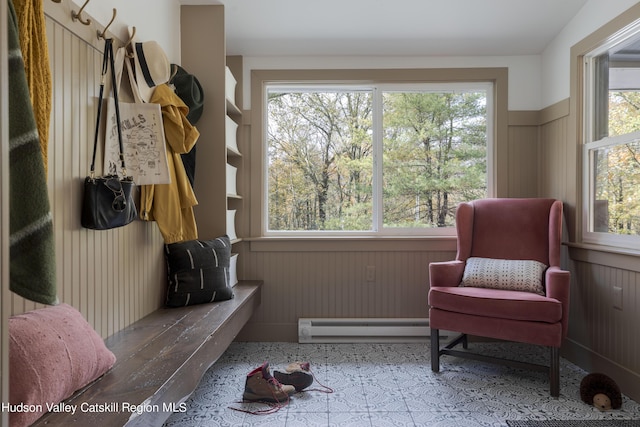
[261,386]
[297,375]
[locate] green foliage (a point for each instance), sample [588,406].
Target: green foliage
[617,169]
[321,158]
[434,156]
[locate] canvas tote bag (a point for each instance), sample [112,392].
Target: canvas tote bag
[142,132]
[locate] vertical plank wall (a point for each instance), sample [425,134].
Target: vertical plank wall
[113,277]
[557,162]
[523,153]
[609,332]
[321,283]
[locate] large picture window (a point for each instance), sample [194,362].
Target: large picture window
[375,159]
[612,141]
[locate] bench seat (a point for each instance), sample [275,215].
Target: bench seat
[161,359]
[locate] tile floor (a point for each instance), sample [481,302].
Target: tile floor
[392,385]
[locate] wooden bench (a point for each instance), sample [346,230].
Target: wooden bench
[160,360]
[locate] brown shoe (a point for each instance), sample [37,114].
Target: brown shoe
[261,386]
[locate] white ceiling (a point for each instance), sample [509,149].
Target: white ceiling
[394,27]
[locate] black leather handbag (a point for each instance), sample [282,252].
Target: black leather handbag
[108,200]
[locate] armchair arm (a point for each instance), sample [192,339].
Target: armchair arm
[558,283]
[448,273]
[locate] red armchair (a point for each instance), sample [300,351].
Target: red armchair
[503,229]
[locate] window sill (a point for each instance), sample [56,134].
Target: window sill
[352,243]
[610,256]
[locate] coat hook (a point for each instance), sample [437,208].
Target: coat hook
[104,32]
[132,34]
[76,16]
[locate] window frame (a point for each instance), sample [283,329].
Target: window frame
[260,79]
[590,117]
[377,90]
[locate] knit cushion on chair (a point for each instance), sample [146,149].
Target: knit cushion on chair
[506,274]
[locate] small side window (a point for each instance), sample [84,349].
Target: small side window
[612,142]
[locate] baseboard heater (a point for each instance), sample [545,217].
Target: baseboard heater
[369,330]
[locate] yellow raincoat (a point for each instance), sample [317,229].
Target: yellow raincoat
[171,205]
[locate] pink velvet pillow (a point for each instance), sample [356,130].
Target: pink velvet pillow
[53,352]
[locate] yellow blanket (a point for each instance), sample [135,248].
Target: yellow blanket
[35,53]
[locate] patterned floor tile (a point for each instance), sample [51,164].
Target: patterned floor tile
[391,419]
[308,402]
[391,385]
[307,419]
[349,419]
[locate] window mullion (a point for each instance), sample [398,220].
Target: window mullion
[378,138]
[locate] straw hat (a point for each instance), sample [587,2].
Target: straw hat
[151,66]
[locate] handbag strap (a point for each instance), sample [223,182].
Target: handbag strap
[105,64]
[117,106]
[107,61]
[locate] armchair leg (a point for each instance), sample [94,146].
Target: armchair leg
[435,350]
[554,372]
